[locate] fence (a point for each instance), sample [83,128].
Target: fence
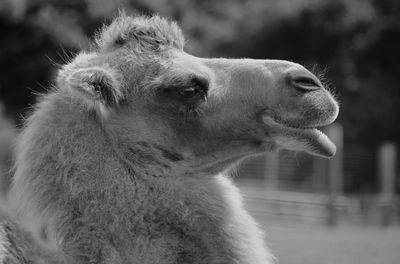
[357,186]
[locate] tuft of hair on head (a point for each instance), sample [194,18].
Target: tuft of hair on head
[100,88]
[145,33]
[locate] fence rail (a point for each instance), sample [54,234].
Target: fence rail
[311,208]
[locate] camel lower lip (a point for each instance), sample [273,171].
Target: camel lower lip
[306,139]
[319,143]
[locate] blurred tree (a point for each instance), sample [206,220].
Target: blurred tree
[24,63]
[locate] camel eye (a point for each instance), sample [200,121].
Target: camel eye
[196,89]
[191,92]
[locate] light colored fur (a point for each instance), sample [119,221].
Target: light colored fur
[139,181]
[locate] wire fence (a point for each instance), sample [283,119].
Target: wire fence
[310,208]
[301,189]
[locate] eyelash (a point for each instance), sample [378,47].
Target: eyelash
[191,92]
[186,96]
[198,87]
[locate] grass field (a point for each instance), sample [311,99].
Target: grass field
[342,245]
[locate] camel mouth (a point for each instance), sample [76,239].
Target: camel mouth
[308,138]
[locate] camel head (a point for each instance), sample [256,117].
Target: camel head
[165,106]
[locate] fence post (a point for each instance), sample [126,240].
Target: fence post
[319,174]
[387,176]
[271,170]
[335,173]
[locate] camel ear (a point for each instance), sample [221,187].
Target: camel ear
[97,87]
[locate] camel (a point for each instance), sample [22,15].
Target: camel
[126,159]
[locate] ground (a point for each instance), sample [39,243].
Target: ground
[341,245]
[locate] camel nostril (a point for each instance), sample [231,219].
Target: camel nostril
[306,84]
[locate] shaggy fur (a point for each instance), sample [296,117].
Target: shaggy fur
[121,162]
[147,34]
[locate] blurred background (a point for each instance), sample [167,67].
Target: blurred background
[345,210]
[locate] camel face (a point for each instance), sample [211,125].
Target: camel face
[238,107]
[199,114]
[271,103]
